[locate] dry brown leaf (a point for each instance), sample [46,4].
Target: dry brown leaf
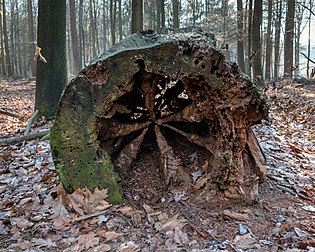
[109,235]
[180,237]
[87,241]
[21,223]
[125,210]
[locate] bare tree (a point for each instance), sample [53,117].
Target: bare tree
[240,36]
[288,38]
[137,16]
[256,40]
[51,75]
[277,38]
[268,42]
[74,37]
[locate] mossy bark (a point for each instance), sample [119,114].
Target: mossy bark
[176,83]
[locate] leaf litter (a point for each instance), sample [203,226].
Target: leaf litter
[36,214]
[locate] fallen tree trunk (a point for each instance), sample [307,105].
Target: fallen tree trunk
[160,94]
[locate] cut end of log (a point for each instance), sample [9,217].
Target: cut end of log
[151,102]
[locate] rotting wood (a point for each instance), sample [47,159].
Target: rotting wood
[172,89]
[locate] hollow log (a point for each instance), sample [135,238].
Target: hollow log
[162,94]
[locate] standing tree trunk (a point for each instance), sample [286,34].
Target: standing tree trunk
[240,36]
[31,37]
[2,54]
[74,37]
[277,39]
[113,20]
[289,38]
[51,76]
[249,32]
[256,41]
[268,42]
[137,16]
[150,101]
[81,34]
[6,41]
[175,14]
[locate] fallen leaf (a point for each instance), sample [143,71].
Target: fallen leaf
[180,237]
[43,243]
[88,240]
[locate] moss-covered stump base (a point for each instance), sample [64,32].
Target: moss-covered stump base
[165,109]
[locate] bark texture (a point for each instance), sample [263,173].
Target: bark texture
[169,89]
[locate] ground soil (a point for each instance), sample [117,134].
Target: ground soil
[152,219]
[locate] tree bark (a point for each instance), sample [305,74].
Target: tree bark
[74,37]
[256,41]
[137,16]
[175,14]
[268,42]
[51,76]
[166,94]
[249,32]
[277,39]
[6,41]
[240,36]
[31,37]
[288,38]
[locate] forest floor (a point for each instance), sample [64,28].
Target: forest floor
[37,215]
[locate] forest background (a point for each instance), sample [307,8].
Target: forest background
[267,38]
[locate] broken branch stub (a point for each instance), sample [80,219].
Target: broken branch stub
[175,92]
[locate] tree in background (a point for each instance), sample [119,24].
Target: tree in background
[256,40]
[74,37]
[137,16]
[240,36]
[51,76]
[288,38]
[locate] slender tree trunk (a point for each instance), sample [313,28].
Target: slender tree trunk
[81,49]
[137,16]
[256,40]
[120,23]
[309,39]
[162,14]
[6,41]
[175,13]
[277,38]
[158,15]
[92,31]
[74,37]
[288,38]
[249,32]
[240,36]
[12,40]
[31,37]
[104,26]
[18,40]
[268,41]
[2,54]
[113,20]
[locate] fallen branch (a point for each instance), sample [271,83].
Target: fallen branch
[33,136]
[5,112]
[28,127]
[308,58]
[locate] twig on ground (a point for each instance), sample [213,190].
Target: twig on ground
[29,137]
[30,122]
[5,112]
